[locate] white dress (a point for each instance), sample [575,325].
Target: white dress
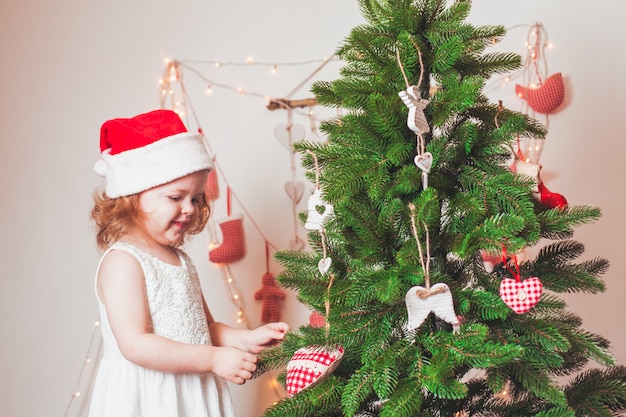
[123,389]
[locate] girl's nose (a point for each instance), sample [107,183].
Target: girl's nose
[187,207]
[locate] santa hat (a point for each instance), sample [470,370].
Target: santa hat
[148,150]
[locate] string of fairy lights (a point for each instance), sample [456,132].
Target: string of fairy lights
[173,94]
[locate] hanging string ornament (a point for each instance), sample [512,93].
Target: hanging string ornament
[520,295]
[437,299]
[270,293]
[311,364]
[416,119]
[286,135]
[543,94]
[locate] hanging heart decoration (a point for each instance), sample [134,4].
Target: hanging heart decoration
[287,134]
[295,190]
[521,296]
[324,265]
[310,365]
[424,161]
[420,302]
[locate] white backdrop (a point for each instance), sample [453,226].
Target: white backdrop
[69,65]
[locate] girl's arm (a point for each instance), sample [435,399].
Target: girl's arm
[252,341]
[121,287]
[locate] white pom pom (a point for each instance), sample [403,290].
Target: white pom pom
[100,168]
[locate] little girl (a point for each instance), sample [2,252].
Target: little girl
[163,354]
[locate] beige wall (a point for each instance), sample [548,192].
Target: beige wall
[68,65]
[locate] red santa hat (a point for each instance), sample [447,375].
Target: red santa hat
[148,150]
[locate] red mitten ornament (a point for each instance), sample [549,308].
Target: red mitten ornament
[232,247]
[547,97]
[271,295]
[521,295]
[310,365]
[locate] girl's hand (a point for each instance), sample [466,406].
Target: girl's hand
[233,364]
[265,336]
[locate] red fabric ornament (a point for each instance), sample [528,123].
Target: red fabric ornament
[547,97]
[550,199]
[520,295]
[211,187]
[232,247]
[271,295]
[310,365]
[317,320]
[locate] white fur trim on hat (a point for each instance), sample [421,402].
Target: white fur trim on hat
[139,169]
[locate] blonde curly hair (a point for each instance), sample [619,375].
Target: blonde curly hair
[115,217]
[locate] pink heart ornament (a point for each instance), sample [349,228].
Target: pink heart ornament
[295,190]
[424,161]
[521,296]
[324,265]
[287,135]
[420,302]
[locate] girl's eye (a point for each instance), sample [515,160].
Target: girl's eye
[174,198]
[196,201]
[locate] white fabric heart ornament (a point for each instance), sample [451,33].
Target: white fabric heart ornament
[521,296]
[310,365]
[420,302]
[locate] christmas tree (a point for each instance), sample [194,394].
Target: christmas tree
[413,189]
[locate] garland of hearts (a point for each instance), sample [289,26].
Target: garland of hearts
[311,364]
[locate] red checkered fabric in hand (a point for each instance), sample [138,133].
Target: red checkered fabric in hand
[521,296]
[547,97]
[310,365]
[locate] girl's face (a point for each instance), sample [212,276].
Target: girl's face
[169,209]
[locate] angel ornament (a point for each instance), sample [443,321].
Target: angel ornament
[416,120]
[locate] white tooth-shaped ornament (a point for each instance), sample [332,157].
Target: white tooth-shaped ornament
[316,220]
[420,302]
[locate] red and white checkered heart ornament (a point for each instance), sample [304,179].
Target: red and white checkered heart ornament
[310,365]
[521,296]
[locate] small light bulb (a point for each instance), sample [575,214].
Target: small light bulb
[240,90]
[97,324]
[76,394]
[218,64]
[274,69]
[87,359]
[250,60]
[209,90]
[230,280]
[236,296]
